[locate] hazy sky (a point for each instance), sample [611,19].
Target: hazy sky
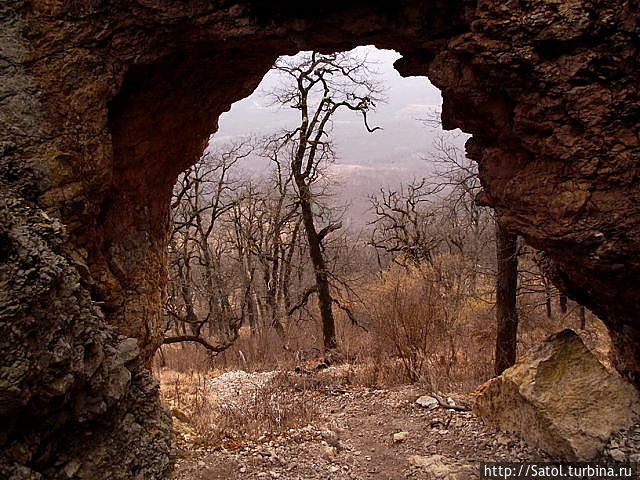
[365,160]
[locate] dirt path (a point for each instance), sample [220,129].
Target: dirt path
[352,437]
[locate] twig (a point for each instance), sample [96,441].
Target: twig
[444,404]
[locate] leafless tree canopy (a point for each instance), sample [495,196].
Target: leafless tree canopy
[318,86]
[270,252]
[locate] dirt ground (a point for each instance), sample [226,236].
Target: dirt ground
[351,436]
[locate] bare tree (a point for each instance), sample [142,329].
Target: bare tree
[546,284]
[428,219]
[267,240]
[462,175]
[318,86]
[404,222]
[506,310]
[425,219]
[200,286]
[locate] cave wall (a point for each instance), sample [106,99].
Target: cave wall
[103,103]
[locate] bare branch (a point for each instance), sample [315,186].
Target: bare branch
[192,338]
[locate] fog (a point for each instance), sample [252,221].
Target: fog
[365,161]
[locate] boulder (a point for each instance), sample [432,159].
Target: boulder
[559,398]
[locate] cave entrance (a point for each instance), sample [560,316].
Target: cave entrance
[163,114]
[402,199]
[106,104]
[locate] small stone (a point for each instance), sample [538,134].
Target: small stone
[400,437]
[617,454]
[334,469]
[71,468]
[434,464]
[427,402]
[421,460]
[329,451]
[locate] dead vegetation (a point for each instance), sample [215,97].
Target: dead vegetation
[204,416]
[415,303]
[412,332]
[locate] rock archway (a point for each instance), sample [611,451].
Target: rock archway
[104,103]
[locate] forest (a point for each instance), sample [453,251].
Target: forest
[264,264]
[288,324]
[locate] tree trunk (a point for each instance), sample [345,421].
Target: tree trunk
[547,295]
[250,309]
[506,312]
[563,303]
[583,318]
[319,267]
[546,282]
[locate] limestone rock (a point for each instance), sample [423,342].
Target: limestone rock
[427,402]
[561,399]
[440,467]
[431,461]
[624,446]
[128,350]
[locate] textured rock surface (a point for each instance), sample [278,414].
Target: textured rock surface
[103,103]
[561,399]
[69,375]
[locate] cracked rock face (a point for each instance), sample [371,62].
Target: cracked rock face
[102,104]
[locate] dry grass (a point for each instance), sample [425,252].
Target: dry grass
[276,407]
[424,324]
[415,330]
[415,326]
[203,419]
